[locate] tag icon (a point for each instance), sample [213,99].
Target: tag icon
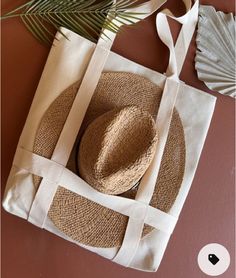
[213,259]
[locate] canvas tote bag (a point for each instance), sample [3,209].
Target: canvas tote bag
[79,59]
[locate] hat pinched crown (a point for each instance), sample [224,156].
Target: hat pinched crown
[117,148]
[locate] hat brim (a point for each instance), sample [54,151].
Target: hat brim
[79,218]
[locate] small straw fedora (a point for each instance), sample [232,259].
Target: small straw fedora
[116,149]
[119,119]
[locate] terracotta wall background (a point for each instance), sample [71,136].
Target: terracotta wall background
[208,214]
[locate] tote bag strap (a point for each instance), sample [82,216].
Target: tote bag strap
[146,188]
[179,51]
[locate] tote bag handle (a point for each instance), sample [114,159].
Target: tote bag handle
[144,10]
[179,51]
[147,185]
[176,60]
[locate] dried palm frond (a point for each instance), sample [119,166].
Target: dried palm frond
[88,18]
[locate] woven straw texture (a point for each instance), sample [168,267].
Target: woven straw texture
[79,218]
[116,149]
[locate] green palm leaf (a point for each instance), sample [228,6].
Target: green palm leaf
[85,17]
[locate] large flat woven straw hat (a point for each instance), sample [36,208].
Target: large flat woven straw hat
[114,148]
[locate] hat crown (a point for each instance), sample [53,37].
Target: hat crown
[117,148]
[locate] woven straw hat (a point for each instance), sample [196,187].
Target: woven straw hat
[79,218]
[116,149]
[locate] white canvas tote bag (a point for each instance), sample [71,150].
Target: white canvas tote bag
[76,59]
